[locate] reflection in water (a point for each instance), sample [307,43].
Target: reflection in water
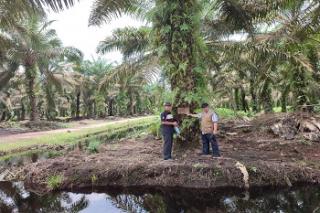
[14,198]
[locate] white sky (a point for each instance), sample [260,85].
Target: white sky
[72,28]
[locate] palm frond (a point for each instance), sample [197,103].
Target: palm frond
[129,41]
[144,70]
[55,5]
[104,10]
[72,54]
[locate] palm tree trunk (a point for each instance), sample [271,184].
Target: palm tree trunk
[254,102]
[50,103]
[244,104]
[236,98]
[3,116]
[131,106]
[23,111]
[299,87]
[94,113]
[31,74]
[178,36]
[266,97]
[138,105]
[78,105]
[110,107]
[284,95]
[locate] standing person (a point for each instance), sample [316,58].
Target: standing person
[167,128]
[209,129]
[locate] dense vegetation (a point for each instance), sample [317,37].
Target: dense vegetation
[241,55]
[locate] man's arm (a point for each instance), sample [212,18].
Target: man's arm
[198,115]
[215,128]
[174,123]
[215,120]
[165,122]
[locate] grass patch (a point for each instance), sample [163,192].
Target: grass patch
[253,169]
[54,181]
[154,129]
[94,179]
[62,138]
[93,146]
[54,154]
[279,109]
[306,142]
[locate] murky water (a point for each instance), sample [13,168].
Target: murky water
[14,198]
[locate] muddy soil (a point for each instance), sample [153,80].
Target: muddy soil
[253,156]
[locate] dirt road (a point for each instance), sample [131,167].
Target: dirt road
[76,127]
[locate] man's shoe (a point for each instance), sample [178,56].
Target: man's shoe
[167,159]
[216,156]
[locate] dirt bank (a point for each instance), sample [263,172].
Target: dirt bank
[253,155]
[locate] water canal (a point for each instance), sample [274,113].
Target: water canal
[15,198]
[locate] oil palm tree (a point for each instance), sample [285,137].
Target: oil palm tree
[281,54]
[126,82]
[94,100]
[34,44]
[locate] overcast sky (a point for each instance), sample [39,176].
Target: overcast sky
[72,28]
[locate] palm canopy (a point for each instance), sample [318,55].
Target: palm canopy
[33,41]
[15,10]
[278,31]
[53,4]
[104,10]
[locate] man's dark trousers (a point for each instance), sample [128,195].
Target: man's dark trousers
[167,146]
[208,139]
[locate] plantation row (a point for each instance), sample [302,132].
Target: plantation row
[241,55]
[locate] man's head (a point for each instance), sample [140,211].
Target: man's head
[167,107]
[205,107]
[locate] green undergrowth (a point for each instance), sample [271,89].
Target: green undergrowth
[154,129]
[230,113]
[279,109]
[93,146]
[54,181]
[62,138]
[93,142]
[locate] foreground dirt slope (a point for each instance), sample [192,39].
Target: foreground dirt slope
[253,155]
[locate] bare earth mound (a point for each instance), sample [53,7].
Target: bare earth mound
[254,154]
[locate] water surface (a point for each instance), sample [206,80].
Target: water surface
[14,198]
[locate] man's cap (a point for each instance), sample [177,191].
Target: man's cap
[167,104]
[204,105]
